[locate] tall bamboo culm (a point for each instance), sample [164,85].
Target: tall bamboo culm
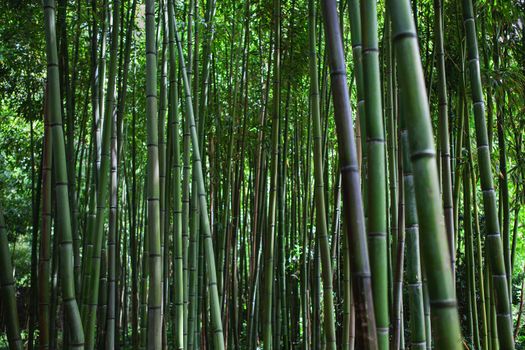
[154,323]
[418,334]
[443,131]
[434,246]
[376,181]
[90,290]
[268,242]
[320,206]
[8,291]
[44,262]
[113,205]
[178,282]
[63,213]
[351,184]
[492,235]
[215,309]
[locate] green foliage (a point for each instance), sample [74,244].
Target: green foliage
[500,32]
[15,169]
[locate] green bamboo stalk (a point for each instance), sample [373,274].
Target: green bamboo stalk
[124,71]
[348,342]
[444,142]
[209,35]
[469,250]
[100,332]
[144,288]
[154,325]
[390,113]
[376,180]
[70,150]
[101,84]
[413,264]
[193,263]
[474,206]
[44,263]
[112,231]
[87,250]
[208,244]
[91,288]
[178,282]
[493,237]
[35,203]
[53,300]
[63,219]
[357,57]
[195,81]
[8,289]
[434,246]
[399,263]
[503,186]
[201,308]
[258,216]
[134,229]
[268,243]
[186,221]
[112,243]
[163,170]
[322,229]
[316,295]
[520,310]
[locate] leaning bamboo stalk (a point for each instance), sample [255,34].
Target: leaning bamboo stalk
[203,205]
[352,200]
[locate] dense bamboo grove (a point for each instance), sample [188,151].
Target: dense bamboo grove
[284,174]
